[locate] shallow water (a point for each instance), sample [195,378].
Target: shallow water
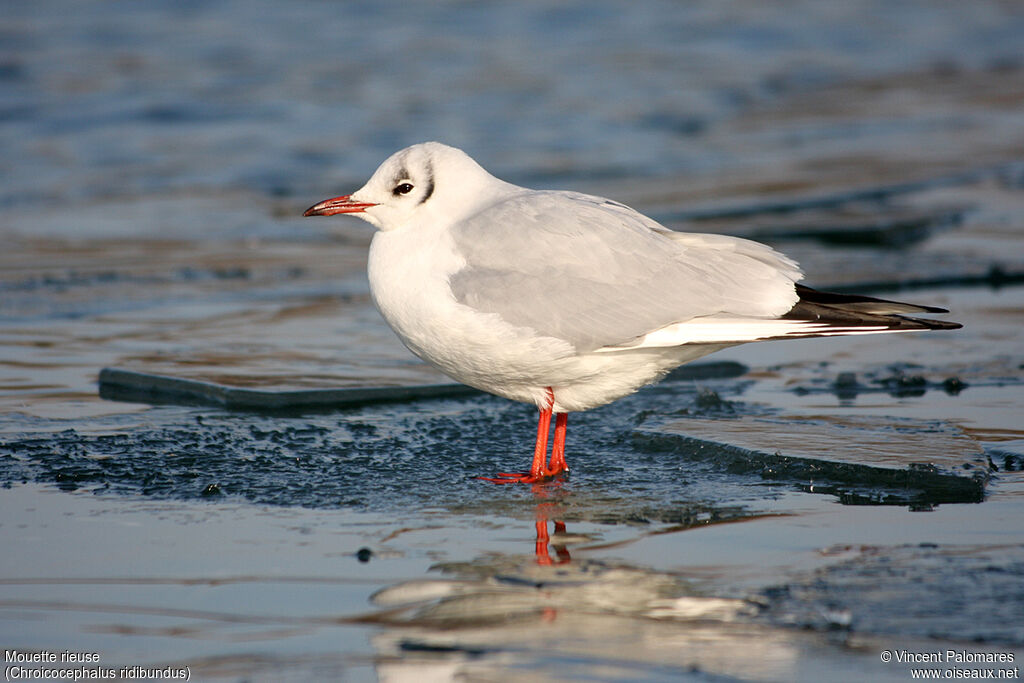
[157,157]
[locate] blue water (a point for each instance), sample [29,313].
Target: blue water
[156,158]
[100,99]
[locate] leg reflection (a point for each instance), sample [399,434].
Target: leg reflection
[542,513]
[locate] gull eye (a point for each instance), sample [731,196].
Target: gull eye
[404,188]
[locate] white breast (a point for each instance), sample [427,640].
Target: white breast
[409,269]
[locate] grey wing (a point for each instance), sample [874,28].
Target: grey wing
[596,273]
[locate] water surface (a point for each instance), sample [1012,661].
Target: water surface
[157,158]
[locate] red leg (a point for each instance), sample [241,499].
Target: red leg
[539,470]
[540,450]
[558,464]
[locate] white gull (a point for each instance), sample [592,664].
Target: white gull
[569,301]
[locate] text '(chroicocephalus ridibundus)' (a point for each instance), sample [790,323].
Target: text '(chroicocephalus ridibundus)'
[570,301]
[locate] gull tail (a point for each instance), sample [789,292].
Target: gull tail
[815,314]
[830,314]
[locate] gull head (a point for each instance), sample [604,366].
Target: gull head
[420,182]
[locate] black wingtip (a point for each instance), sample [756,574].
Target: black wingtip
[861,303]
[853,310]
[937,324]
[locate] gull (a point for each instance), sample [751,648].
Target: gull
[569,301]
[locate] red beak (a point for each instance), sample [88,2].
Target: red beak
[343,204]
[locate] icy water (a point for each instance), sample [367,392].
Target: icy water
[788,512]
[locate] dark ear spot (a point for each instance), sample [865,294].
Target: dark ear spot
[429,184]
